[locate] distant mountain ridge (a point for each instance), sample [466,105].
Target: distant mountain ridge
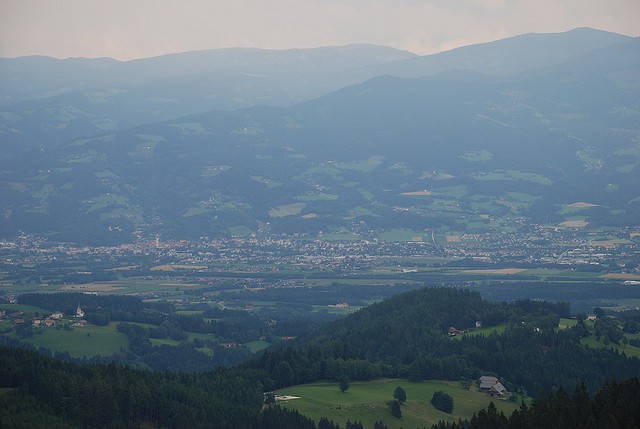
[459,149]
[47,101]
[508,56]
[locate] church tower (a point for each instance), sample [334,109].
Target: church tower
[79,312]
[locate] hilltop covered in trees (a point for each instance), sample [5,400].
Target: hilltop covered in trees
[404,336]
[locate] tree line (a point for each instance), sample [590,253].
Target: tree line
[613,406]
[406,336]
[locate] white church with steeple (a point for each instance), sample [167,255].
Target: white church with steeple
[79,311]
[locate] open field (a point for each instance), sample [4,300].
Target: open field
[499,329]
[629,350]
[505,271]
[623,276]
[401,235]
[114,287]
[574,223]
[367,402]
[26,308]
[81,341]
[417,193]
[287,210]
[256,346]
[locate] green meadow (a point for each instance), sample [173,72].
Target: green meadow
[367,402]
[86,341]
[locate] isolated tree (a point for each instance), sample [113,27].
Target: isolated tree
[442,401]
[344,383]
[395,409]
[400,394]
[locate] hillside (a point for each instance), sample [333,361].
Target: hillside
[404,336]
[46,101]
[407,336]
[459,151]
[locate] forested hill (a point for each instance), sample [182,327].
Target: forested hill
[407,336]
[38,392]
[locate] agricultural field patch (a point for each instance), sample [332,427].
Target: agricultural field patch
[364,166]
[458,191]
[579,223]
[477,156]
[512,175]
[623,276]
[422,193]
[317,197]
[340,236]
[113,287]
[628,349]
[106,200]
[287,210]
[498,329]
[436,175]
[401,235]
[86,341]
[501,271]
[269,182]
[367,402]
[256,346]
[214,170]
[247,131]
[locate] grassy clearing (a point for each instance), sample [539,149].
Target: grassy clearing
[317,197]
[567,323]
[340,236]
[513,175]
[256,346]
[367,402]
[629,350]
[10,308]
[401,235]
[287,210]
[81,341]
[365,166]
[477,156]
[498,329]
[269,182]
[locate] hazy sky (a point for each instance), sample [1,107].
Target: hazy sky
[127,29]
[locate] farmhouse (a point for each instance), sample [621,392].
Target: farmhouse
[492,386]
[453,331]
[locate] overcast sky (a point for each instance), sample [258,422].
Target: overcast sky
[128,29]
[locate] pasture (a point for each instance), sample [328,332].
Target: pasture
[86,341]
[367,402]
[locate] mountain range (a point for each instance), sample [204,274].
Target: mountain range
[539,127]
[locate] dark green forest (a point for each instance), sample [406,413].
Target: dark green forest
[614,406]
[405,336]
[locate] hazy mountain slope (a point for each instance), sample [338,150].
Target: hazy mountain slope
[25,78]
[507,56]
[48,101]
[459,150]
